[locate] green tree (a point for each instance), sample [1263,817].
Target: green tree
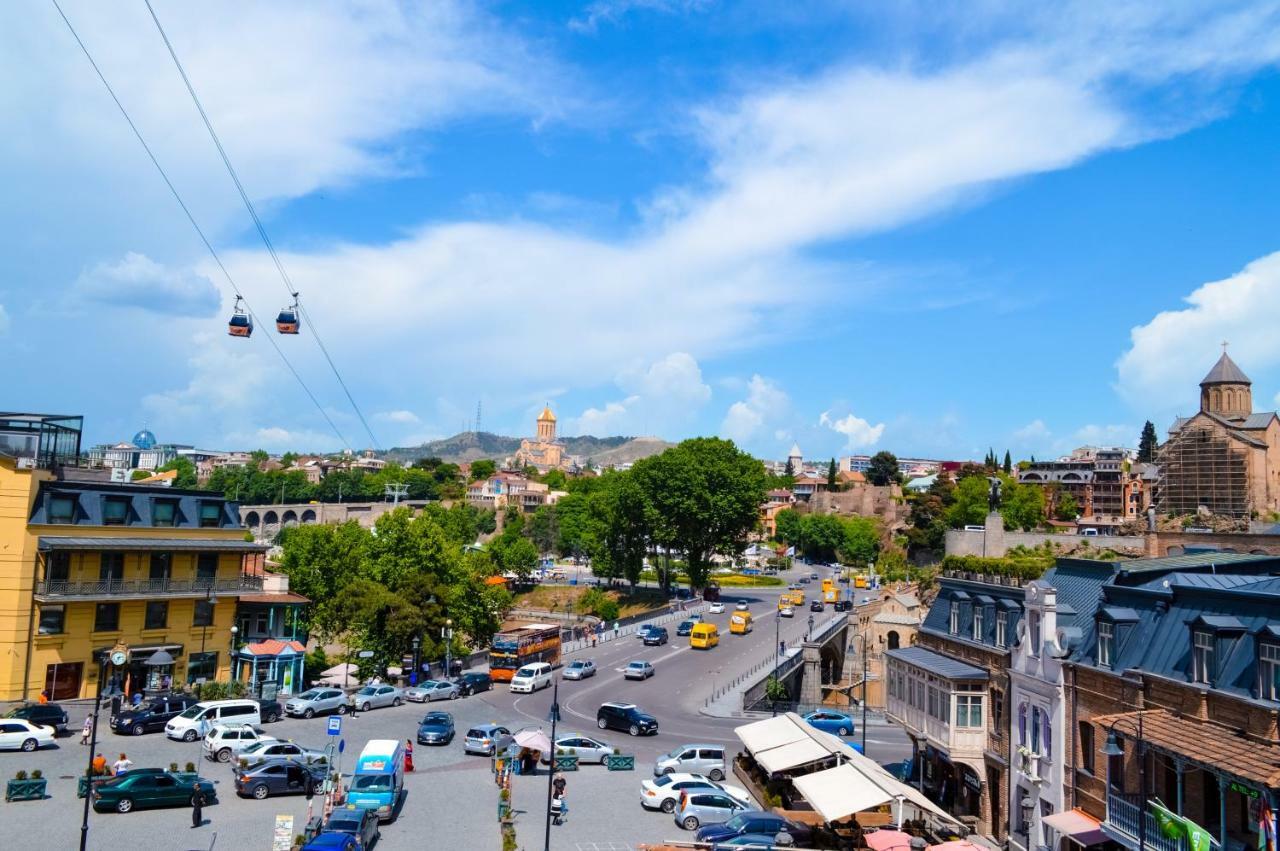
[789,471]
[516,555]
[482,469]
[556,480]
[790,526]
[575,532]
[541,528]
[322,560]
[882,469]
[821,536]
[1008,463]
[860,543]
[186,470]
[1066,508]
[1022,506]
[288,459]
[1147,443]
[622,515]
[831,474]
[258,457]
[970,506]
[706,496]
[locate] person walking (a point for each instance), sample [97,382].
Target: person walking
[121,765]
[408,754]
[87,729]
[558,783]
[99,765]
[197,808]
[617,628]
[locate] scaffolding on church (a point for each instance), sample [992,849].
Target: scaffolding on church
[1199,468]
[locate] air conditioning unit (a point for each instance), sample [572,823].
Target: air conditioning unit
[26,463]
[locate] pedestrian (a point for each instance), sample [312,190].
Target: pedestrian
[408,754]
[558,783]
[617,628]
[121,765]
[44,697]
[137,699]
[99,765]
[354,707]
[197,807]
[87,730]
[559,809]
[782,648]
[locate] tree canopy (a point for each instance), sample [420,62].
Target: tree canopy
[1147,443]
[882,469]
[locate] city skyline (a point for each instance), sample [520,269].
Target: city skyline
[855,229]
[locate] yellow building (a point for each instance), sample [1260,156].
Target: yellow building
[87,566]
[544,451]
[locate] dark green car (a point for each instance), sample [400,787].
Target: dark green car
[150,787]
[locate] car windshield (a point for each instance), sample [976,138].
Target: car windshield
[664,780]
[436,718]
[192,712]
[254,748]
[636,665]
[526,672]
[737,822]
[309,695]
[578,664]
[343,824]
[371,782]
[367,690]
[428,684]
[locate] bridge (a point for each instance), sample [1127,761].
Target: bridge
[818,667]
[266,521]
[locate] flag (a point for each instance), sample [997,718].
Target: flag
[1174,826]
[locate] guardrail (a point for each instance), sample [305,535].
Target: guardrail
[148,587]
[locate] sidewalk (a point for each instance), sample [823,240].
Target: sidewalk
[628,630]
[726,702]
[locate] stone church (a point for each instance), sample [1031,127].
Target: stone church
[543,451]
[1226,458]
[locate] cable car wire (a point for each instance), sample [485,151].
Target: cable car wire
[194,224]
[257,221]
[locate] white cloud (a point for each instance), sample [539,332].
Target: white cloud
[1169,355]
[612,11]
[1033,432]
[1106,435]
[280,439]
[400,417]
[667,393]
[138,281]
[765,406]
[858,432]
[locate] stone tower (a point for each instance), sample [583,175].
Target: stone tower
[546,426]
[1226,390]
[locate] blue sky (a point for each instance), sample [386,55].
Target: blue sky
[925,227]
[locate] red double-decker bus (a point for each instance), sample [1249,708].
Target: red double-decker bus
[513,648]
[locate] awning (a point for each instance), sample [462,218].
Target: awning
[47,543]
[792,755]
[840,792]
[770,733]
[1077,825]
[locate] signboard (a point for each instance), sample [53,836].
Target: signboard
[282,835]
[335,725]
[1243,789]
[365,654]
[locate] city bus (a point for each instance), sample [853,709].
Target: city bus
[515,648]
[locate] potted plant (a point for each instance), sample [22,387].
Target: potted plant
[173,767]
[504,803]
[188,773]
[22,788]
[565,761]
[618,761]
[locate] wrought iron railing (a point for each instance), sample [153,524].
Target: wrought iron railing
[1124,816]
[148,587]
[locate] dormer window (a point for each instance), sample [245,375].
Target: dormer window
[1269,671]
[1033,632]
[164,512]
[210,515]
[977,623]
[1106,643]
[1201,656]
[1002,629]
[62,509]
[955,618]
[115,511]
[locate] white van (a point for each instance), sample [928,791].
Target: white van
[196,720]
[532,677]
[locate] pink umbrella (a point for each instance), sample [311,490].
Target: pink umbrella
[884,840]
[956,845]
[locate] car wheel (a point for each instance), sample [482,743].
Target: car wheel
[342,710]
[633,730]
[844,731]
[366,707]
[124,805]
[189,736]
[453,695]
[669,805]
[690,823]
[600,722]
[29,745]
[396,701]
[224,755]
[667,770]
[716,775]
[310,713]
[273,717]
[260,791]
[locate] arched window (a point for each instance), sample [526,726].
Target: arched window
[892,639]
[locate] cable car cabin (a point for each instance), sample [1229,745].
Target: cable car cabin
[241,324]
[287,321]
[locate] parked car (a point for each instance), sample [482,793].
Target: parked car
[754,821]
[815,606]
[354,821]
[267,749]
[663,793]
[435,728]
[432,690]
[222,742]
[529,678]
[626,717]
[579,669]
[703,806]
[271,710]
[657,636]
[45,714]
[188,724]
[150,787]
[18,734]
[315,701]
[787,612]
[278,777]
[685,627]
[333,842]
[638,669]
[473,683]
[151,715]
[742,606]
[584,748]
[706,760]
[483,738]
[376,697]
[831,722]
[715,609]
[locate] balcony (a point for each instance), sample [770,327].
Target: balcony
[1124,820]
[144,589]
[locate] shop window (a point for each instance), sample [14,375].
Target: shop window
[106,617]
[53,620]
[202,667]
[157,616]
[62,681]
[203,613]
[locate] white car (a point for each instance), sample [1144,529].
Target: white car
[579,669]
[743,606]
[662,793]
[715,609]
[222,742]
[531,677]
[786,612]
[584,748]
[18,734]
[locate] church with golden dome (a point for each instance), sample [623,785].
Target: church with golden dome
[543,450]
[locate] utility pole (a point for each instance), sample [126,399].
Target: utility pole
[396,492]
[554,716]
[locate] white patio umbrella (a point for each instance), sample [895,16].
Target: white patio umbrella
[534,740]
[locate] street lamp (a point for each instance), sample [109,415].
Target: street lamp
[553,716]
[417,643]
[234,631]
[1114,748]
[447,634]
[808,635]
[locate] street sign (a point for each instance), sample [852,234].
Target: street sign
[335,725]
[282,834]
[365,654]
[342,745]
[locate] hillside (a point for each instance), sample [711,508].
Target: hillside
[472,446]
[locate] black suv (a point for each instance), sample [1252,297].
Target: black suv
[271,711]
[43,714]
[655,636]
[625,717]
[815,606]
[151,716]
[469,684]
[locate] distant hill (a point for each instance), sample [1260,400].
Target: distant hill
[473,446]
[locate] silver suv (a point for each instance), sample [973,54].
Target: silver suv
[315,701]
[707,760]
[223,742]
[698,807]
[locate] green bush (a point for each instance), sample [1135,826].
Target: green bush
[1026,567]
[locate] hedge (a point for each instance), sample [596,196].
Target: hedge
[1031,567]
